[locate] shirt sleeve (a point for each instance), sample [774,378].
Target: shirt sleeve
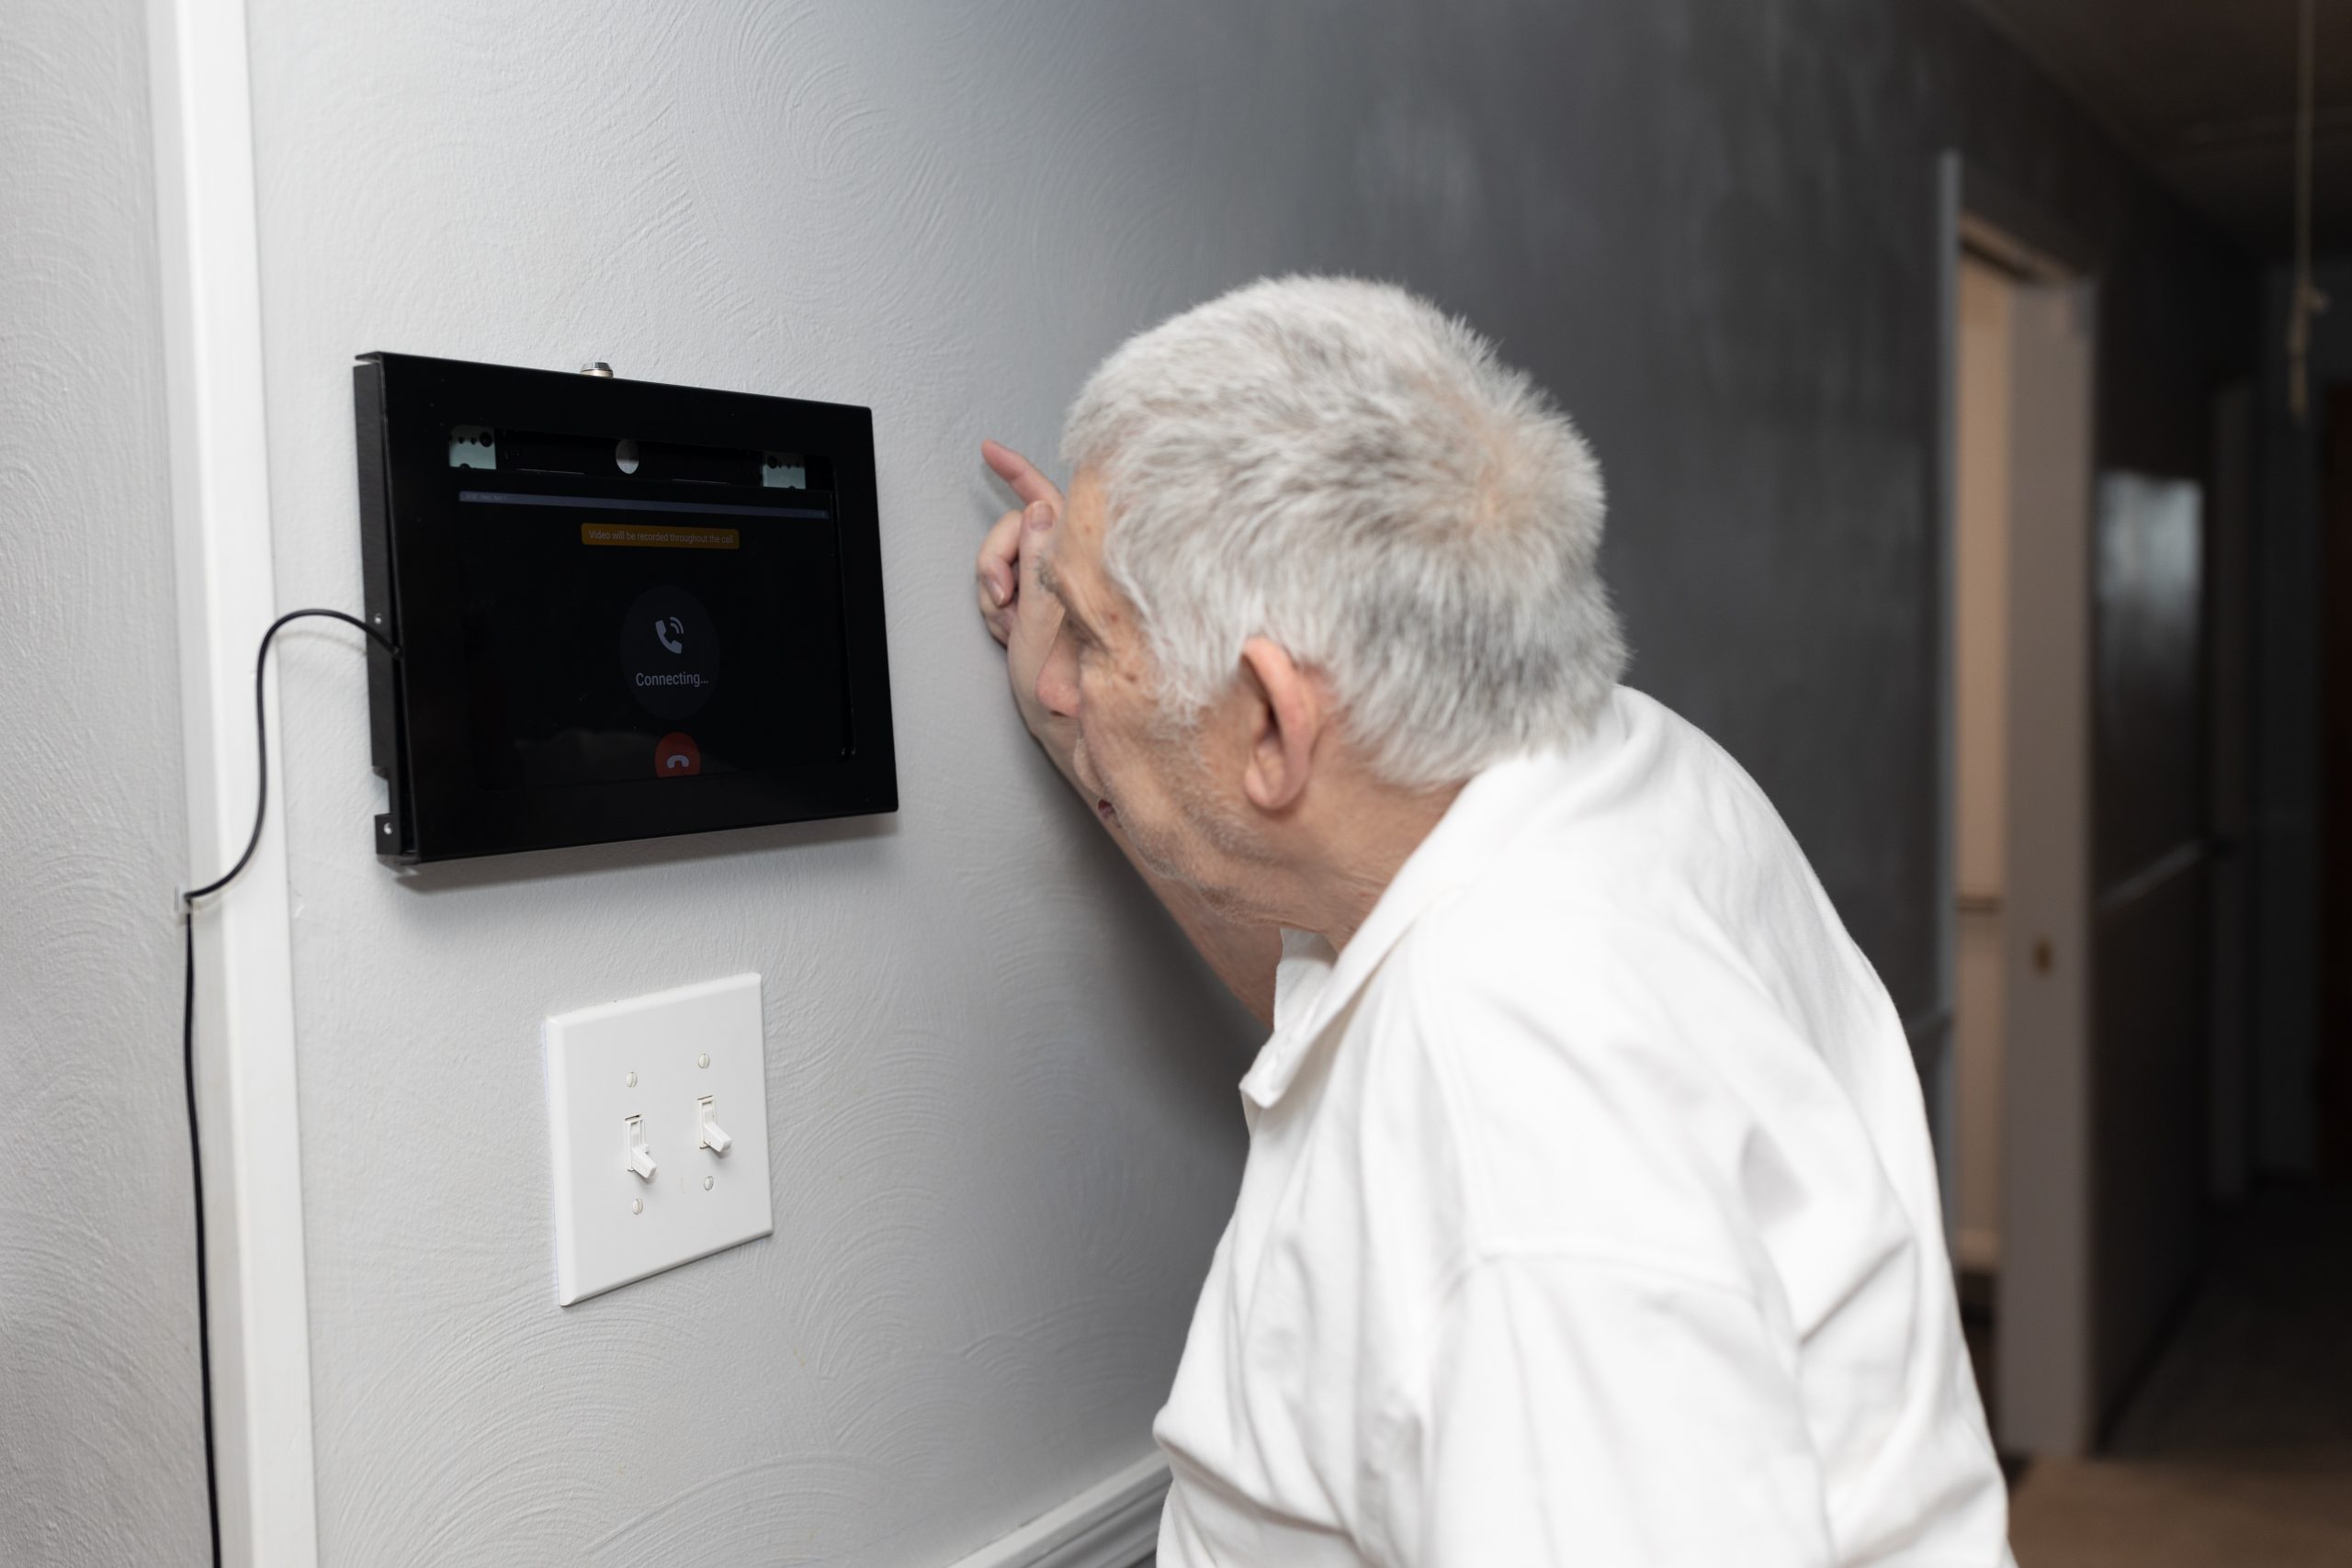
[1585,1410]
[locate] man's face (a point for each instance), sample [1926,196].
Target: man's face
[1170,789]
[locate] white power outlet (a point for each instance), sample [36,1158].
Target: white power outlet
[658,1118]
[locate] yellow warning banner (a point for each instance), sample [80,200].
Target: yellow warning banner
[660,535]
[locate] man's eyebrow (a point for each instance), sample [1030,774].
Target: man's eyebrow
[1045,577]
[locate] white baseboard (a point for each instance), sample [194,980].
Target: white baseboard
[1113,1524]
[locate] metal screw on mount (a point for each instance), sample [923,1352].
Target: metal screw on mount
[598,367]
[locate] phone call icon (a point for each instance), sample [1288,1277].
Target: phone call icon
[673,673]
[676,756]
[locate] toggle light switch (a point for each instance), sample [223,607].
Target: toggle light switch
[635,1155]
[659,1065]
[714,1136]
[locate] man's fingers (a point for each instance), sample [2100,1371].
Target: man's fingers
[997,567]
[1036,621]
[1037,526]
[1039,615]
[1020,473]
[1017,609]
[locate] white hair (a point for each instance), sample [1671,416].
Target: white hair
[1339,466]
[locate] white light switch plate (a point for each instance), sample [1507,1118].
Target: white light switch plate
[646,1058]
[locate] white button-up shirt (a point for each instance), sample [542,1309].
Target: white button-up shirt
[1590,1215]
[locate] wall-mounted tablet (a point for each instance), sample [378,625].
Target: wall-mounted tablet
[625,610]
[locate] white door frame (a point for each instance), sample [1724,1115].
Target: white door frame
[2045,1401]
[2045,1303]
[210,268]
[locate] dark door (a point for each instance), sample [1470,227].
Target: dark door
[2333,1067]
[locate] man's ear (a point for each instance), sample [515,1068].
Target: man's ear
[1287,720]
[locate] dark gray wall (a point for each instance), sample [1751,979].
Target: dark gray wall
[2289,622]
[1728,276]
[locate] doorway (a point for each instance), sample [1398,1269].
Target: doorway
[2016,1150]
[1984,323]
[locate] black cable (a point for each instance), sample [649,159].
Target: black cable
[261,738]
[203,1294]
[187,1041]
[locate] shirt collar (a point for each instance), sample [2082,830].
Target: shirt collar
[1313,984]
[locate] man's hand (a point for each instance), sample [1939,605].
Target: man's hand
[1019,612]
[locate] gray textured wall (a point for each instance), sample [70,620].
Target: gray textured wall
[101,1456]
[1002,1113]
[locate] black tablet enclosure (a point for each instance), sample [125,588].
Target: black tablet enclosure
[624,609]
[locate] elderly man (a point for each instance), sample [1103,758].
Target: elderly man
[1590,1215]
